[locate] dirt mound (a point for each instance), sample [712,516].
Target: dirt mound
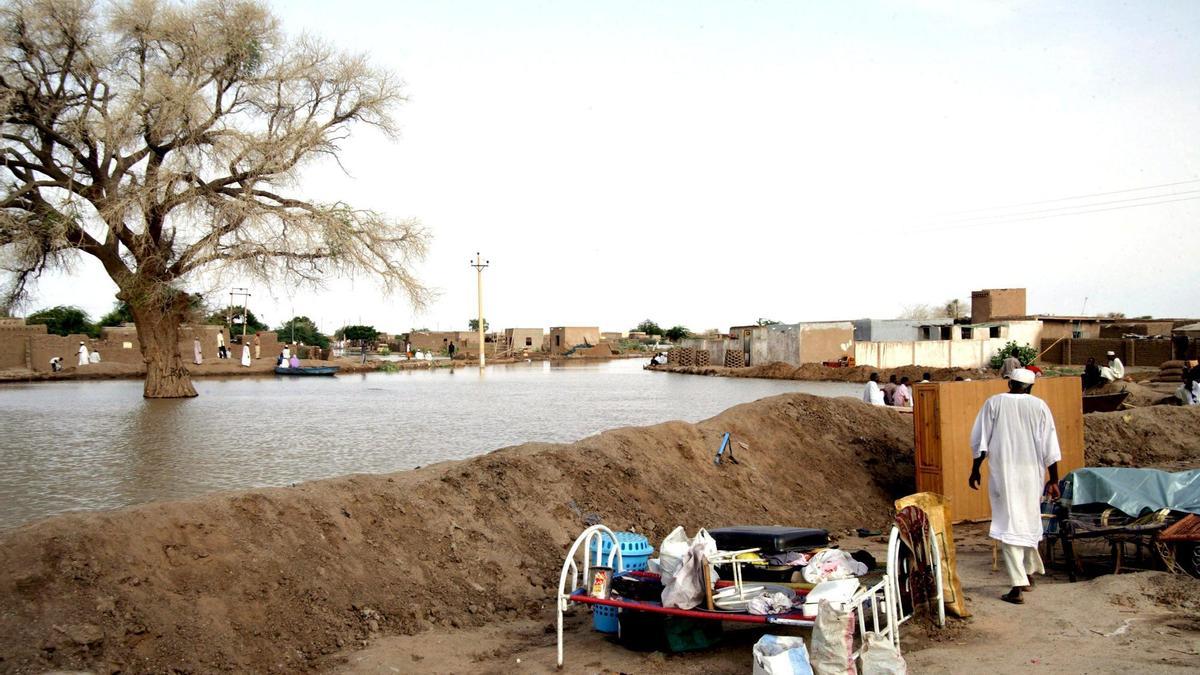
[271,580]
[778,370]
[1140,395]
[1159,436]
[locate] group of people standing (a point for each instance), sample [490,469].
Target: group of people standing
[223,351]
[893,393]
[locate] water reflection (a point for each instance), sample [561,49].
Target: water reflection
[96,445]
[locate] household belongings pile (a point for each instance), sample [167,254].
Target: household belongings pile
[748,574]
[1152,510]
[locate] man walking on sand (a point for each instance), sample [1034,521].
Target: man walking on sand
[1016,432]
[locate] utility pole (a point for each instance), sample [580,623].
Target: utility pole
[244,294]
[479,266]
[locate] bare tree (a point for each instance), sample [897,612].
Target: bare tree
[164,140]
[919,312]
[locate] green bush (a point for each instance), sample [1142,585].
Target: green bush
[1026,354]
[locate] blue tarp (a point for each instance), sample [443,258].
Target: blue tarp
[1135,491]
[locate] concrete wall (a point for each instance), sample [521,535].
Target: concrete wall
[893,330]
[715,347]
[1150,353]
[927,353]
[1147,328]
[14,336]
[524,339]
[565,338]
[121,345]
[435,341]
[997,302]
[1054,327]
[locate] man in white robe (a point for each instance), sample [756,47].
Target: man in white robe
[246,355]
[83,354]
[1115,370]
[873,394]
[1016,433]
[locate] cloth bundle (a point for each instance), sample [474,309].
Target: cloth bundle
[831,564]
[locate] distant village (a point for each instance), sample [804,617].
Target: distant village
[997,317]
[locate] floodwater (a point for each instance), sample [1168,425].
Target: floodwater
[100,445]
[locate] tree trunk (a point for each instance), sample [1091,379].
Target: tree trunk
[158,332]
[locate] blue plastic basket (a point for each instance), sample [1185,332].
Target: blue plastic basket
[635,553]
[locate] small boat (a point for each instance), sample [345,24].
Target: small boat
[307,370]
[1104,402]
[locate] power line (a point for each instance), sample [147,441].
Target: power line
[1055,215]
[1065,199]
[1072,206]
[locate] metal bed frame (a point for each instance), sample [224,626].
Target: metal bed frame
[881,602]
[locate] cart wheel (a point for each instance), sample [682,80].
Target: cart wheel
[1188,557]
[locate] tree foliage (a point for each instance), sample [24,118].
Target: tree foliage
[649,328]
[359,333]
[676,333]
[229,316]
[302,329]
[1026,354]
[473,324]
[164,140]
[119,314]
[64,320]
[766,322]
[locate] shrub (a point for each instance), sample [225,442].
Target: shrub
[1026,354]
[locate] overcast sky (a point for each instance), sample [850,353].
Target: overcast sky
[709,163]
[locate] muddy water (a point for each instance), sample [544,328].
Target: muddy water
[99,445]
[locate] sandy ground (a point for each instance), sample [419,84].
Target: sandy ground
[461,554]
[1142,622]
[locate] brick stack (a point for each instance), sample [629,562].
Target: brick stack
[687,356]
[672,357]
[735,359]
[703,358]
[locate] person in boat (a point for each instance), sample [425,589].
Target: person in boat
[1115,370]
[1015,433]
[901,397]
[287,353]
[1091,375]
[873,394]
[281,360]
[294,362]
[659,359]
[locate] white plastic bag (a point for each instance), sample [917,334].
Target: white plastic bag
[684,586]
[882,657]
[781,655]
[832,564]
[671,552]
[833,641]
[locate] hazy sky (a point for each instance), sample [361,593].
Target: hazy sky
[708,163]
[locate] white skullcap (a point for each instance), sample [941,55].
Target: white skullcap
[1112,353]
[1023,376]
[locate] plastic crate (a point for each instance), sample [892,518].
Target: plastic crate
[635,553]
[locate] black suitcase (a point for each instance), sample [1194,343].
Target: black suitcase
[769,538]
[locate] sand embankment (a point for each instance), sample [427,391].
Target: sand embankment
[778,370]
[273,579]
